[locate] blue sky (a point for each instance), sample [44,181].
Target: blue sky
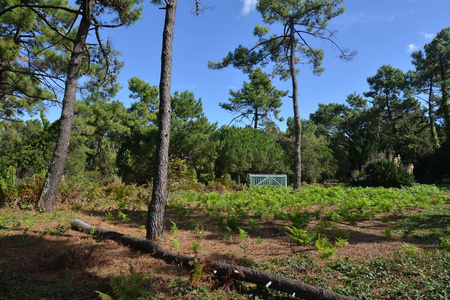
[382,31]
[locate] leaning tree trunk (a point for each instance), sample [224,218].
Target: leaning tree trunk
[155,214]
[217,268]
[298,125]
[49,191]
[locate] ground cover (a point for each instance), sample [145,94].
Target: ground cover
[365,242]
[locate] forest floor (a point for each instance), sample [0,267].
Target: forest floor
[389,256]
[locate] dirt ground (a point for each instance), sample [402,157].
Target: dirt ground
[48,260]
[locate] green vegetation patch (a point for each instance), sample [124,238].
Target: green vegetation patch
[425,228]
[265,201]
[401,275]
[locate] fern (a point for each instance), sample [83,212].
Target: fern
[302,237]
[196,246]
[120,287]
[197,271]
[126,286]
[324,247]
[243,235]
[122,216]
[341,243]
[174,227]
[445,243]
[175,242]
[104,296]
[109,216]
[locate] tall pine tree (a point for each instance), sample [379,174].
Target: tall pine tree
[300,21]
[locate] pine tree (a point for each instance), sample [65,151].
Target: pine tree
[50,30]
[258,99]
[300,20]
[155,216]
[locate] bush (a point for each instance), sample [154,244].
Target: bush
[23,194]
[8,179]
[7,176]
[382,172]
[180,175]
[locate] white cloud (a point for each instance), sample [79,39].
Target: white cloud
[249,5]
[412,47]
[428,36]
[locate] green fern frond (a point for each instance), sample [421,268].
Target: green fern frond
[127,286]
[104,296]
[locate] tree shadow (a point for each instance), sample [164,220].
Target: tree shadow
[192,220]
[213,227]
[34,267]
[423,228]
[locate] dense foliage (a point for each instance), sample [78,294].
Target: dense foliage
[402,114]
[382,172]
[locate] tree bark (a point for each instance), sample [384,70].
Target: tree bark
[445,98]
[220,269]
[155,216]
[298,125]
[49,191]
[434,137]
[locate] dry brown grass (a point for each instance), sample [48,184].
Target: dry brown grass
[41,262]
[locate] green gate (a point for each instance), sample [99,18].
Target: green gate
[267,179]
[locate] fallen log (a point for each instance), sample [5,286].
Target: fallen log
[272,281]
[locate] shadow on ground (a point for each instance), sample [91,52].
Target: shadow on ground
[71,267]
[423,228]
[35,267]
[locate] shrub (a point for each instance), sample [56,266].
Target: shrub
[384,173]
[180,175]
[23,194]
[8,180]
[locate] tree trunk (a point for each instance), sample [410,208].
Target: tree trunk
[155,216]
[298,125]
[434,137]
[445,98]
[222,269]
[49,191]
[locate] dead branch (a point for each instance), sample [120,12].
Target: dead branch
[272,281]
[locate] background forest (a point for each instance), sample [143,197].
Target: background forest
[401,114]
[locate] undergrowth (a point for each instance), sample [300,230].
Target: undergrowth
[404,274]
[311,218]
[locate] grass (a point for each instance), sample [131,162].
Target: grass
[365,242]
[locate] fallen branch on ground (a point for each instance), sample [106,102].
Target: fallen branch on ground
[272,281]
